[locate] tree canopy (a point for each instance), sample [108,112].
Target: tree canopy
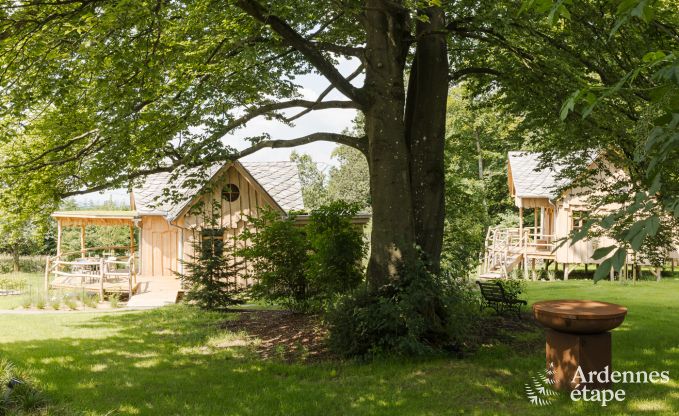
[98,93]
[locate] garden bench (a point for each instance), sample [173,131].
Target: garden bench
[495,297]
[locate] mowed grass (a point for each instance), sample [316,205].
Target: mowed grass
[178,361]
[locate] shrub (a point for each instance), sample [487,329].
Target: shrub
[415,314]
[303,268]
[40,303]
[13,284]
[513,287]
[212,271]
[337,248]
[211,276]
[278,251]
[27,264]
[70,303]
[17,395]
[55,304]
[114,300]
[89,301]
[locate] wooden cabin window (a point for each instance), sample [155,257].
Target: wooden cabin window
[579,218]
[230,192]
[212,240]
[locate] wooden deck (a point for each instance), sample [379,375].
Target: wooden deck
[111,285]
[100,272]
[155,292]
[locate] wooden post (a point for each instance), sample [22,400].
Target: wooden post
[59,238]
[525,266]
[586,268]
[101,279]
[82,241]
[542,222]
[533,272]
[47,275]
[535,225]
[565,271]
[612,274]
[131,270]
[133,248]
[521,222]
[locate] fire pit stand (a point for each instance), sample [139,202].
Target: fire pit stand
[578,336]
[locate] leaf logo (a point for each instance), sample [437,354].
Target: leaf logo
[539,390]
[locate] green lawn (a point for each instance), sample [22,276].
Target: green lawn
[173,361]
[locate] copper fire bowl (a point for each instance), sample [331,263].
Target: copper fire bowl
[579,316]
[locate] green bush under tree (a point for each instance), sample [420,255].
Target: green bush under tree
[278,251]
[417,313]
[336,250]
[303,268]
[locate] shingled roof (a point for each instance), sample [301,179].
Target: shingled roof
[532,182]
[279,179]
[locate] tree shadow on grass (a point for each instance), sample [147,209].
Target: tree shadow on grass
[179,361]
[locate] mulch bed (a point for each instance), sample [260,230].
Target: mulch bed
[283,334]
[523,334]
[293,337]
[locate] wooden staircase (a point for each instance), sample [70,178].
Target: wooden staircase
[507,248]
[502,252]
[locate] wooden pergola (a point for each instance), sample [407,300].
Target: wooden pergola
[93,274]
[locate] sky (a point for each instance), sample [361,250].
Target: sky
[331,120]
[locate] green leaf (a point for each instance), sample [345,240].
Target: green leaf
[603,270]
[569,104]
[654,56]
[626,5]
[583,231]
[653,225]
[644,11]
[602,252]
[618,23]
[618,259]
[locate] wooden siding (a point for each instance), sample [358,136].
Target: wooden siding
[577,199]
[163,245]
[159,246]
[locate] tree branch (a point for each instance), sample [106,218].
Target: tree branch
[359,143]
[489,36]
[304,46]
[55,149]
[461,73]
[270,108]
[320,98]
[340,49]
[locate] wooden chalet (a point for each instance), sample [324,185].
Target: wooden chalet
[558,210]
[167,231]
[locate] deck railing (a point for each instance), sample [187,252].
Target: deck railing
[503,244]
[87,270]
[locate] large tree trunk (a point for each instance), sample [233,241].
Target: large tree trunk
[425,133]
[393,237]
